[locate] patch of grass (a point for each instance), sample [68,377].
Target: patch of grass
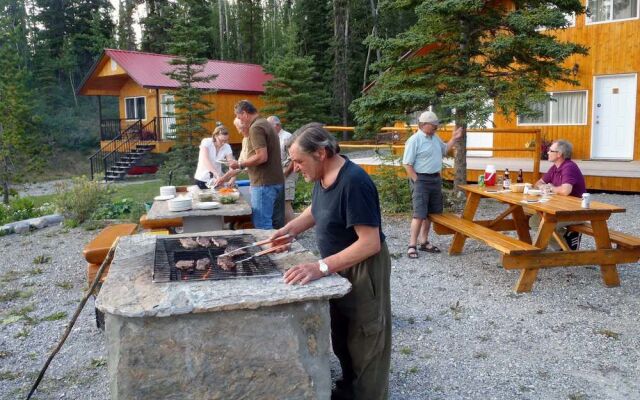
[577,396]
[56,316]
[8,376]
[98,362]
[480,355]
[21,314]
[33,355]
[456,310]
[24,332]
[405,351]
[411,320]
[66,285]
[608,333]
[413,370]
[35,271]
[42,259]
[10,276]
[15,294]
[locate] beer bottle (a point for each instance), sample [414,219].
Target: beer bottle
[520,178]
[506,182]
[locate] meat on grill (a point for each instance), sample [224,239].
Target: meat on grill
[226,262]
[185,265]
[203,241]
[203,264]
[188,243]
[219,242]
[234,251]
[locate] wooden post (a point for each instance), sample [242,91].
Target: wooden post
[157,124]
[100,115]
[536,157]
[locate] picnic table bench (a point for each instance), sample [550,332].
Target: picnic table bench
[530,255]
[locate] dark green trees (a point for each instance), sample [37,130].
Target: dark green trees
[472,57]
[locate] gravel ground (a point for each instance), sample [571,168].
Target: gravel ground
[459,332]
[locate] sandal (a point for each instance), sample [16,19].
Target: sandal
[412,252]
[428,247]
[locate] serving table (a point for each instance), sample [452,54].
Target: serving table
[522,252]
[199,220]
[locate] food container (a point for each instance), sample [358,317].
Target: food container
[490,175]
[518,187]
[167,190]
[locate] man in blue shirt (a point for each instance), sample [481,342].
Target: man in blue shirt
[423,153]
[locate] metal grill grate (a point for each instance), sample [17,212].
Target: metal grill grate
[169,251]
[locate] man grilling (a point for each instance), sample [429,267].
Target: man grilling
[345,211]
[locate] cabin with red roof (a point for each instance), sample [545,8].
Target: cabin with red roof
[145,103]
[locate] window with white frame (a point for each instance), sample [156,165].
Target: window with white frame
[611,10]
[134,108]
[564,108]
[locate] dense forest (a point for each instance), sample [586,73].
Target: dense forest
[332,48]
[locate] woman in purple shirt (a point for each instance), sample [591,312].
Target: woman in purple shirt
[564,175]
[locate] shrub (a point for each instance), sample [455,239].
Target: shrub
[82,199]
[176,170]
[303,194]
[394,190]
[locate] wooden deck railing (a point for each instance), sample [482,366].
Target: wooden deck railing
[404,131]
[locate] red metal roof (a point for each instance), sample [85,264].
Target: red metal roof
[148,70]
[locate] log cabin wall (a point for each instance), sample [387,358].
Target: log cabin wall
[614,48]
[223,103]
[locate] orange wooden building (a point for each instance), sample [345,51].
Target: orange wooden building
[145,99]
[600,116]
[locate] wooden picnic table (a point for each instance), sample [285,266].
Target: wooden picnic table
[522,252]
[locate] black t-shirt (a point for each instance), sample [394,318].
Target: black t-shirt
[351,200]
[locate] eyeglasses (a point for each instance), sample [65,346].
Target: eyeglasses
[553,151]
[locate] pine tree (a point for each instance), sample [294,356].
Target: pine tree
[188,69]
[473,52]
[157,25]
[296,94]
[250,30]
[126,35]
[16,115]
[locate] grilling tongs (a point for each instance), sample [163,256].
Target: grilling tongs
[267,251]
[260,243]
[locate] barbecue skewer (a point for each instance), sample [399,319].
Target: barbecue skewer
[260,243]
[263,252]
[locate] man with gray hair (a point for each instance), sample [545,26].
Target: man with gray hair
[422,160]
[565,179]
[345,211]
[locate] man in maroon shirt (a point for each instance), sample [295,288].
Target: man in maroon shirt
[565,179]
[564,175]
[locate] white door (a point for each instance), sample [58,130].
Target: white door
[614,121]
[168,120]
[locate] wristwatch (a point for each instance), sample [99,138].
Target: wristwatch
[324,268]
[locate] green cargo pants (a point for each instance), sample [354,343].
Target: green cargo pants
[361,330]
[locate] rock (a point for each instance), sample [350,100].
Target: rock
[38,223]
[6,230]
[21,227]
[53,219]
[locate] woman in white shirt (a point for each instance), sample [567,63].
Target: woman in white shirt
[212,150]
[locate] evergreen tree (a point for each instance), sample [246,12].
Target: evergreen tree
[16,115]
[476,52]
[188,69]
[156,26]
[296,94]
[126,35]
[250,30]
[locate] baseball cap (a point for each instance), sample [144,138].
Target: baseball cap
[428,117]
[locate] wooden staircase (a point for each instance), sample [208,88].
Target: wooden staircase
[130,159]
[126,150]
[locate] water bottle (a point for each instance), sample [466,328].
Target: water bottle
[586,200]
